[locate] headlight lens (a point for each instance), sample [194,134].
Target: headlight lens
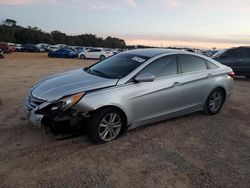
[67,102]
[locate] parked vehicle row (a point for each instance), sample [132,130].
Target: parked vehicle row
[31,48]
[6,48]
[94,53]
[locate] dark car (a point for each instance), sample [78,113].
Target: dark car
[236,58]
[63,53]
[30,48]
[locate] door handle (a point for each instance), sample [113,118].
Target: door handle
[176,84]
[209,75]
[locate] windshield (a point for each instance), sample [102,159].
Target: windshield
[219,53]
[117,66]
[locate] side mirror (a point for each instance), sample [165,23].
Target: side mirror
[145,77]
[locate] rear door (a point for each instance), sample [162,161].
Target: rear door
[197,81]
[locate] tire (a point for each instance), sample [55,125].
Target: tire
[82,56]
[214,102]
[100,128]
[102,57]
[247,76]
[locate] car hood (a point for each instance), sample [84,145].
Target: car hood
[55,87]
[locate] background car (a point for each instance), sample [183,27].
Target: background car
[18,47]
[1,54]
[96,53]
[31,48]
[63,53]
[53,48]
[43,46]
[211,53]
[236,58]
[7,48]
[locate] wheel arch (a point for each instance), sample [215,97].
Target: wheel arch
[222,89]
[117,108]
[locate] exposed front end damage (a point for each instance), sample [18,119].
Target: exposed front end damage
[47,114]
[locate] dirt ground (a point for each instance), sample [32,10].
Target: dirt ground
[190,151]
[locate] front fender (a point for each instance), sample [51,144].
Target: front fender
[93,101]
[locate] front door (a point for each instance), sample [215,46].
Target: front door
[161,96]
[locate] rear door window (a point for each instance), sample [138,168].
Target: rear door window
[211,65]
[190,63]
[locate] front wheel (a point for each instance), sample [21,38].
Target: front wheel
[214,102]
[247,76]
[105,125]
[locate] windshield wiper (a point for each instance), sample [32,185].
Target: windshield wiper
[101,73]
[86,69]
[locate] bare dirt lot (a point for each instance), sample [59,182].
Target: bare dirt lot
[190,151]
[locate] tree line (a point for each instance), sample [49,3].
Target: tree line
[11,32]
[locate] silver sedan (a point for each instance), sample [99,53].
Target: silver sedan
[128,90]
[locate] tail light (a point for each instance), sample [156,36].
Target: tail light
[231,74]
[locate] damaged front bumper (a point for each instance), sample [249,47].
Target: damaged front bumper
[32,105]
[35,119]
[40,113]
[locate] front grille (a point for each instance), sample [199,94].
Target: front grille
[33,102]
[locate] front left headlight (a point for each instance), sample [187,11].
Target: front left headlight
[67,102]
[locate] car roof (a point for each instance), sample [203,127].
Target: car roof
[151,52]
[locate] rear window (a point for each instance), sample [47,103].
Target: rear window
[211,65]
[192,63]
[219,53]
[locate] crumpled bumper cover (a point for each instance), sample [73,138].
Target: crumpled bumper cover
[31,110]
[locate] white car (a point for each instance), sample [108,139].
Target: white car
[56,47]
[53,48]
[96,53]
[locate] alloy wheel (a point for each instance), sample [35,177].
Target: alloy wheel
[110,126]
[215,101]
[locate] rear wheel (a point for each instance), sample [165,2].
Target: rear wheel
[105,125]
[102,57]
[82,56]
[214,102]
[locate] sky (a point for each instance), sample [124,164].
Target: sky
[185,23]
